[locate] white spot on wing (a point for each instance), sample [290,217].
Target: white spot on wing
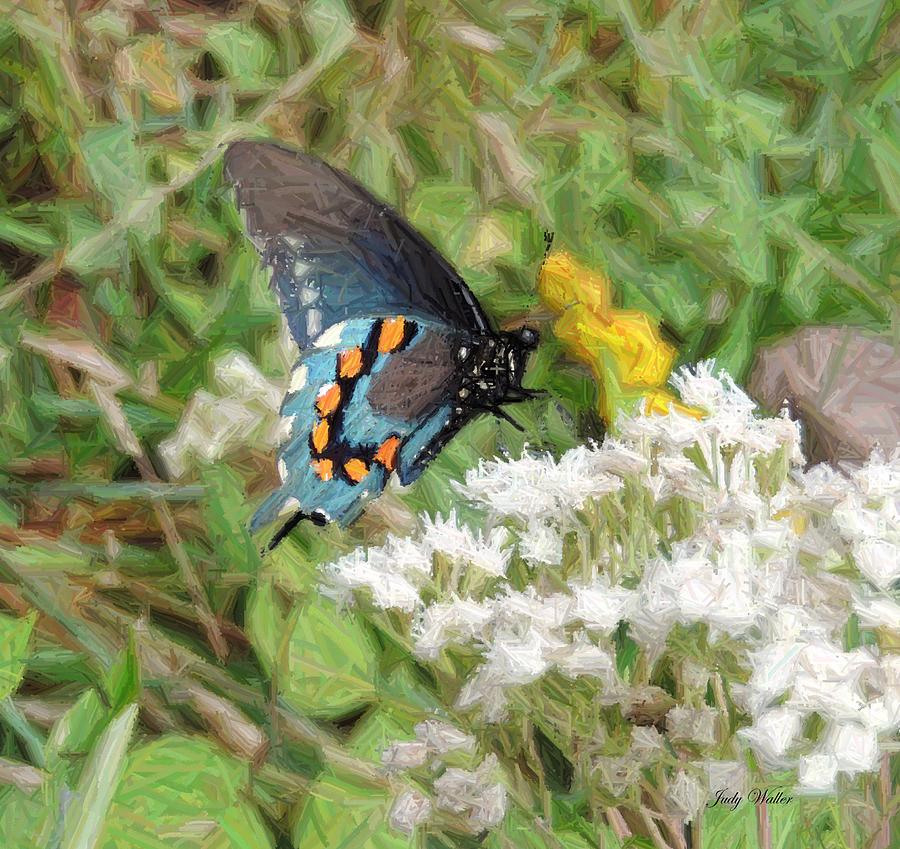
[332,336]
[289,507]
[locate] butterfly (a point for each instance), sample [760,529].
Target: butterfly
[395,352]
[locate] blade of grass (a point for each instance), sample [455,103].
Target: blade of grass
[130,444]
[84,822]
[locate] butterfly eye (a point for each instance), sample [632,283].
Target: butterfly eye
[528,338]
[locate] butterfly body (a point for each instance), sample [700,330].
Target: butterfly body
[395,353]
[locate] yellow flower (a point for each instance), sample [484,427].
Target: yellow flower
[623,348]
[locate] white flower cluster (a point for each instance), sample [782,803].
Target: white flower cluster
[677,522]
[473,796]
[243,411]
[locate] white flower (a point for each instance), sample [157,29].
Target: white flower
[817,773]
[367,570]
[671,432]
[822,486]
[244,412]
[519,659]
[878,560]
[582,657]
[717,393]
[209,428]
[460,543]
[882,714]
[828,679]
[473,794]
[405,755]
[877,611]
[236,376]
[857,518]
[694,676]
[774,670]
[879,478]
[726,775]
[537,488]
[854,747]
[773,733]
[407,556]
[541,543]
[682,478]
[457,621]
[601,607]
[696,725]
[695,521]
[410,809]
[527,608]
[441,738]
[646,743]
[487,693]
[617,457]
[685,795]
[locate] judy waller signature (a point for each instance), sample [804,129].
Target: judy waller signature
[727,799]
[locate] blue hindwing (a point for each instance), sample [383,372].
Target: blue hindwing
[336,458]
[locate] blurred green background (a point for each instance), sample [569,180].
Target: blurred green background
[732,166]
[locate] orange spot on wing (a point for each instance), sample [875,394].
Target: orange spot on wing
[350,362]
[387,453]
[391,336]
[320,436]
[324,469]
[356,469]
[328,399]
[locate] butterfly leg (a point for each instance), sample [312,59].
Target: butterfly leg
[317,517]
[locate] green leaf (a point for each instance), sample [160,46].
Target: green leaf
[21,817]
[113,163]
[339,815]
[328,668]
[225,512]
[26,236]
[75,731]
[87,814]
[183,792]
[521,831]
[14,637]
[244,52]
[376,731]
[265,623]
[331,26]
[124,679]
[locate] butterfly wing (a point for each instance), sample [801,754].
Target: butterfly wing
[368,397]
[337,253]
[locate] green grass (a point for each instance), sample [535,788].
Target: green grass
[733,166]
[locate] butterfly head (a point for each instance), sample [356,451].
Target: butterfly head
[492,371]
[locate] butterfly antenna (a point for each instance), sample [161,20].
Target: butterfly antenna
[548,241]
